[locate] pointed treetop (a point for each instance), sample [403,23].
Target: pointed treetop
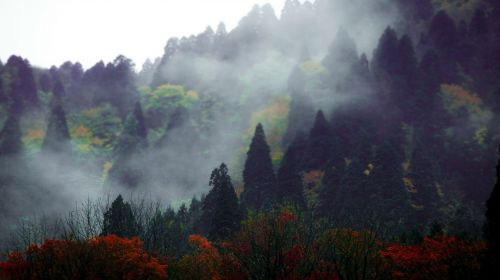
[221,29]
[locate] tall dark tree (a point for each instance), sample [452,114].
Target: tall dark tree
[11,137]
[492,231]
[22,84]
[119,220]
[385,59]
[258,175]
[319,144]
[289,177]
[221,211]
[128,152]
[444,38]
[340,60]
[57,138]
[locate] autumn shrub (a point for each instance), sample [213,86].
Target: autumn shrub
[107,257]
[272,246]
[351,254]
[443,257]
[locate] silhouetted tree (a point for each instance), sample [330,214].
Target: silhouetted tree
[11,137]
[119,220]
[22,84]
[319,144]
[127,169]
[289,177]
[258,174]
[221,212]
[492,231]
[57,138]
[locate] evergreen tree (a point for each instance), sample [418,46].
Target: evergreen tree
[387,184]
[57,138]
[385,55]
[11,137]
[127,167]
[221,211]
[258,174]
[120,220]
[289,177]
[492,231]
[319,144]
[22,84]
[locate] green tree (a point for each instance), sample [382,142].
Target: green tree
[258,175]
[11,137]
[57,138]
[221,211]
[119,220]
[319,144]
[289,177]
[127,168]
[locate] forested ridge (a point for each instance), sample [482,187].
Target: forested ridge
[342,140]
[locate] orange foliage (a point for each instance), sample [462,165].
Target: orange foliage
[462,95]
[440,258]
[107,257]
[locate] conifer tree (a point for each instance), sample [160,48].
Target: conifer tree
[319,144]
[127,169]
[258,175]
[10,137]
[492,231]
[57,138]
[384,57]
[221,212]
[289,177]
[119,220]
[22,86]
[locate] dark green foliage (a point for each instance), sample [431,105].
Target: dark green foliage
[11,137]
[342,56]
[57,138]
[386,183]
[22,87]
[258,175]
[127,169]
[319,145]
[119,220]
[384,58]
[289,177]
[492,231]
[221,212]
[424,180]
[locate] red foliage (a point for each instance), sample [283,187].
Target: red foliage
[440,258]
[108,257]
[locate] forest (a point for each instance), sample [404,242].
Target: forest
[336,139]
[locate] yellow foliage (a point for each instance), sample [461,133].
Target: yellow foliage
[417,207]
[81,132]
[406,166]
[312,67]
[410,186]
[480,135]
[35,134]
[439,190]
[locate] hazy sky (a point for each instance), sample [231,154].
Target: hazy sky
[49,32]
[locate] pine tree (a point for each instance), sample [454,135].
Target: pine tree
[319,144]
[22,86]
[127,168]
[221,212]
[120,220]
[258,175]
[289,177]
[57,138]
[492,231]
[10,137]
[384,57]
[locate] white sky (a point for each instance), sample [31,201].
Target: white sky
[49,32]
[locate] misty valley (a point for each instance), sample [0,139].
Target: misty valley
[334,139]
